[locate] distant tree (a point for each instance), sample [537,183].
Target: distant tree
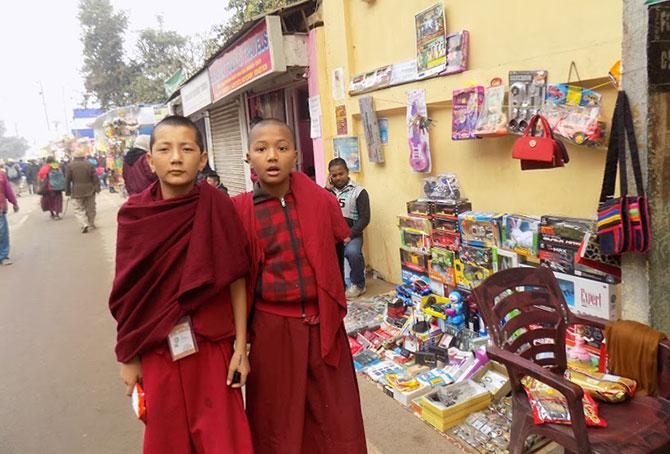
[107,75]
[11,147]
[160,53]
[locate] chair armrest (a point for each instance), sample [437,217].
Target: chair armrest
[522,366]
[517,366]
[588,320]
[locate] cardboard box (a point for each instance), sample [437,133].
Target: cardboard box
[416,261]
[468,397]
[407,397]
[493,376]
[521,234]
[441,266]
[588,297]
[480,229]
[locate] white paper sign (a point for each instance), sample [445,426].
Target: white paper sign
[404,72]
[315,116]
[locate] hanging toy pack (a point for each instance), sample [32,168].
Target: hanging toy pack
[527,90]
[493,121]
[467,105]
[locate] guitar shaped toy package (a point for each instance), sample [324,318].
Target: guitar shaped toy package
[417,123]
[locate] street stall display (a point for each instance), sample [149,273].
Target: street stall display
[425,343]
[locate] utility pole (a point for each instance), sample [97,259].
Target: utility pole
[67,120]
[44,105]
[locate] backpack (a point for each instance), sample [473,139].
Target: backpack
[56,180]
[12,174]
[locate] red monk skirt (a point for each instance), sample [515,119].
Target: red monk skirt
[190,409]
[296,403]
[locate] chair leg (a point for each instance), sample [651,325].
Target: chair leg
[518,434]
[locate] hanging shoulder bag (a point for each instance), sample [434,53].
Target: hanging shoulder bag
[623,222]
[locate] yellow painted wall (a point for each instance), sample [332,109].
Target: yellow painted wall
[505,35]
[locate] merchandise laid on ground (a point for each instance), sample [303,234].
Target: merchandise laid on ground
[425,343]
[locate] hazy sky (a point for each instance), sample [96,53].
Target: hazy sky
[40,41]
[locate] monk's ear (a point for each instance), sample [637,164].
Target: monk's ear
[150,161]
[203,161]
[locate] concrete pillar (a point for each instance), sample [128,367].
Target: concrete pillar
[646,280]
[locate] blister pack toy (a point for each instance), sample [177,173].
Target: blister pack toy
[527,90]
[574,114]
[457,52]
[493,120]
[521,235]
[443,187]
[466,107]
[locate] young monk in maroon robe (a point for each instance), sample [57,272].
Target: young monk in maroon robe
[181,263]
[302,395]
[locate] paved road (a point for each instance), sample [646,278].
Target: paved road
[59,385]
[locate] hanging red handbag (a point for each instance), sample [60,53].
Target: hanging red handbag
[539,152]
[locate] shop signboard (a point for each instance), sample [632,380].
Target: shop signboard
[431,41]
[347,149]
[196,94]
[658,47]
[257,54]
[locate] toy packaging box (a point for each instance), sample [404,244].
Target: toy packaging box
[420,208]
[451,208]
[470,275]
[416,261]
[521,235]
[408,276]
[415,240]
[467,106]
[441,266]
[588,297]
[480,229]
[560,238]
[415,223]
[457,52]
[446,240]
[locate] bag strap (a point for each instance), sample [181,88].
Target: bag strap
[613,151]
[531,129]
[632,143]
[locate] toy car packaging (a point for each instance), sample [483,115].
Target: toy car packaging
[573,113]
[527,90]
[441,266]
[550,406]
[420,208]
[443,187]
[480,229]
[415,240]
[415,223]
[493,121]
[451,208]
[605,387]
[521,235]
[446,240]
[414,260]
[467,106]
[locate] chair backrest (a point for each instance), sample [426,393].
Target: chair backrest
[526,314]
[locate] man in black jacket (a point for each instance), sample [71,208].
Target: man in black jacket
[355,204]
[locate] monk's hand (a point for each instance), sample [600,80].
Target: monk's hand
[238,363]
[131,373]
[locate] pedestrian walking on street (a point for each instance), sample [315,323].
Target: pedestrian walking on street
[302,394]
[6,195]
[31,176]
[137,174]
[51,182]
[82,184]
[355,204]
[214,180]
[179,299]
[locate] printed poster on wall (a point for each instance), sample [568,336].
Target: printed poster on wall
[347,149]
[371,129]
[417,126]
[338,84]
[341,120]
[431,41]
[384,130]
[315,116]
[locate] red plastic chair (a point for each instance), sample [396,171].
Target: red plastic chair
[532,343]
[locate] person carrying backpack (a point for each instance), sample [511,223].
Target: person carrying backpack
[51,186]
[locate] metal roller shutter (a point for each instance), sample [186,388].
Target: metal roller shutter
[227,146]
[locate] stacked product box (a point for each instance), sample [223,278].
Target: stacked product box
[415,247]
[560,239]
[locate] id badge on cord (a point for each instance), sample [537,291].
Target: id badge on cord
[182,340]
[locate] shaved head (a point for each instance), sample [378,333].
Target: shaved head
[270,122]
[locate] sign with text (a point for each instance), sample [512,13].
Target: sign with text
[658,48]
[196,94]
[257,54]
